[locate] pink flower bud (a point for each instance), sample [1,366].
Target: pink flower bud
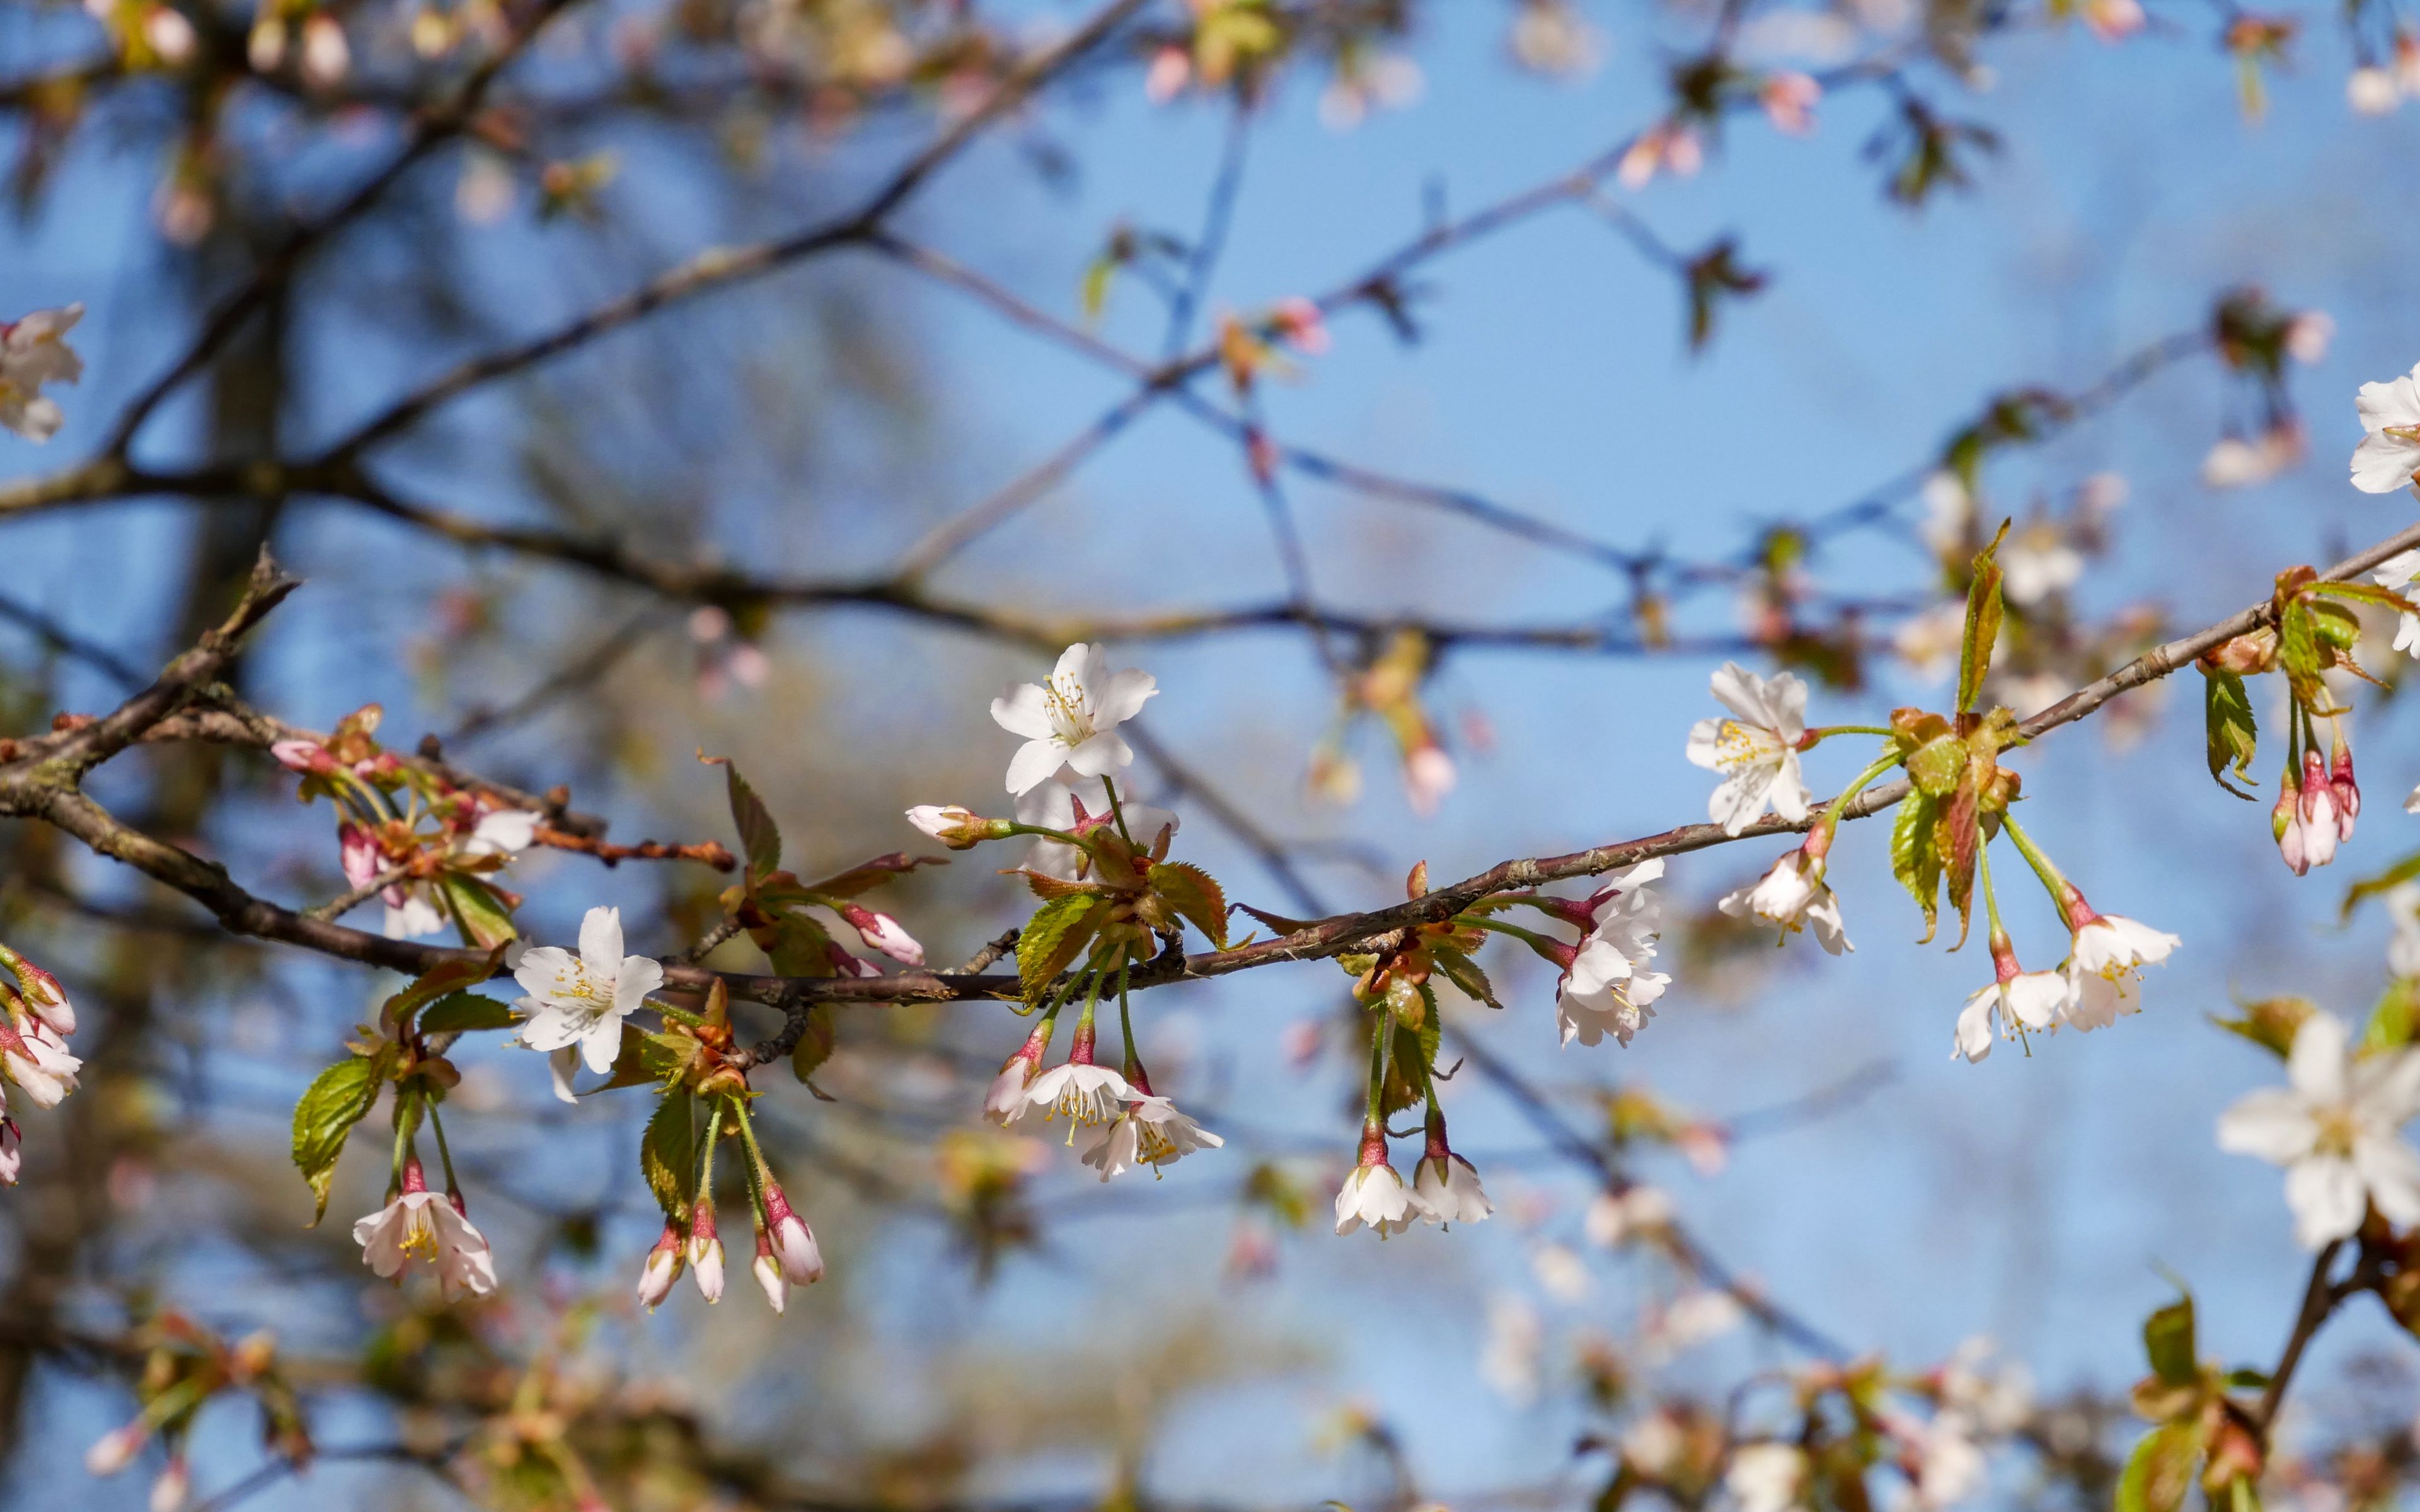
[960,829]
[2348,790]
[1172,69]
[770,1281]
[304,756]
[706,1253]
[882,932]
[1428,777]
[792,1242]
[175,1483]
[116,1450]
[662,1269]
[43,995]
[845,964]
[2286,826]
[2321,823]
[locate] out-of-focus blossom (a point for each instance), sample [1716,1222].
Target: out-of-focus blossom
[2371,90]
[1669,146]
[2335,1127]
[1766,1477]
[1789,99]
[1510,1359]
[34,351]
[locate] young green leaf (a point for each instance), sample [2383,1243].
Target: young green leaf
[760,838]
[815,1044]
[2160,1473]
[2401,871]
[2168,1341]
[485,923]
[1915,856]
[1192,893]
[338,1098]
[1056,934]
[465,1013]
[668,1153]
[2234,735]
[1982,631]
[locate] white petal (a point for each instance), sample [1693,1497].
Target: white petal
[2317,1066]
[2395,402]
[1033,764]
[2326,1193]
[1024,710]
[540,968]
[1740,797]
[2383,464]
[2391,1169]
[1742,692]
[2271,1124]
[1123,698]
[1104,753]
[1972,1039]
[602,1045]
[600,942]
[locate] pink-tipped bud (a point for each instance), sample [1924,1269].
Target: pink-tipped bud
[116,1450]
[1006,1099]
[175,1483]
[706,1253]
[43,993]
[2321,823]
[663,1268]
[358,853]
[958,828]
[768,1273]
[2285,825]
[1298,322]
[2348,790]
[882,932]
[304,756]
[791,1241]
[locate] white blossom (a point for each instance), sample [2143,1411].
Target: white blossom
[1792,896]
[36,1060]
[2390,452]
[2104,963]
[1607,989]
[2030,998]
[34,351]
[2037,561]
[1615,1218]
[1757,752]
[1375,1196]
[1447,1192]
[2333,1128]
[1085,1095]
[1070,721]
[583,1000]
[770,1281]
[426,1224]
[1150,1132]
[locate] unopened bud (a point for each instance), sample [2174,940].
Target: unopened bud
[114,1450]
[2286,826]
[175,1483]
[883,932]
[662,1269]
[960,829]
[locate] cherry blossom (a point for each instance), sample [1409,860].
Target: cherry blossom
[2032,999]
[768,1272]
[1615,1218]
[34,351]
[704,1253]
[1446,1188]
[1766,1477]
[2105,957]
[2390,454]
[583,1000]
[664,1267]
[792,1242]
[1148,1131]
[1792,896]
[33,1057]
[1071,719]
[2335,1129]
[422,1223]
[1757,752]
[2037,561]
[1606,987]
[2401,573]
[2403,908]
[1082,1093]
[1375,1196]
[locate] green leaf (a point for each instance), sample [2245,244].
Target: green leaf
[2401,871]
[668,1153]
[1192,893]
[439,981]
[2168,1341]
[1915,856]
[2234,734]
[1053,936]
[1464,974]
[464,1013]
[1936,766]
[645,1058]
[815,1044]
[2395,1022]
[799,946]
[338,1098]
[2297,650]
[1982,631]
[2159,1472]
[760,838]
[1960,841]
[481,915]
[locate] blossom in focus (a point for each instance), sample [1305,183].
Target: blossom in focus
[1766,1477]
[2015,998]
[34,351]
[2105,957]
[1606,988]
[1757,751]
[704,1253]
[2390,452]
[1373,1194]
[1149,1132]
[791,1242]
[1792,896]
[1071,719]
[1082,1093]
[427,1226]
[2334,1127]
[583,1000]
[1445,1186]
[33,1057]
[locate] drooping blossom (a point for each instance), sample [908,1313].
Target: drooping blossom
[34,351]
[665,1265]
[429,1227]
[583,1000]
[792,1242]
[768,1272]
[1606,987]
[2105,959]
[2015,998]
[704,1253]
[2335,1128]
[1006,1102]
[33,1057]
[1149,1131]
[2390,452]
[1373,1194]
[1792,895]
[1757,750]
[1071,721]
[1449,1190]
[1082,1093]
